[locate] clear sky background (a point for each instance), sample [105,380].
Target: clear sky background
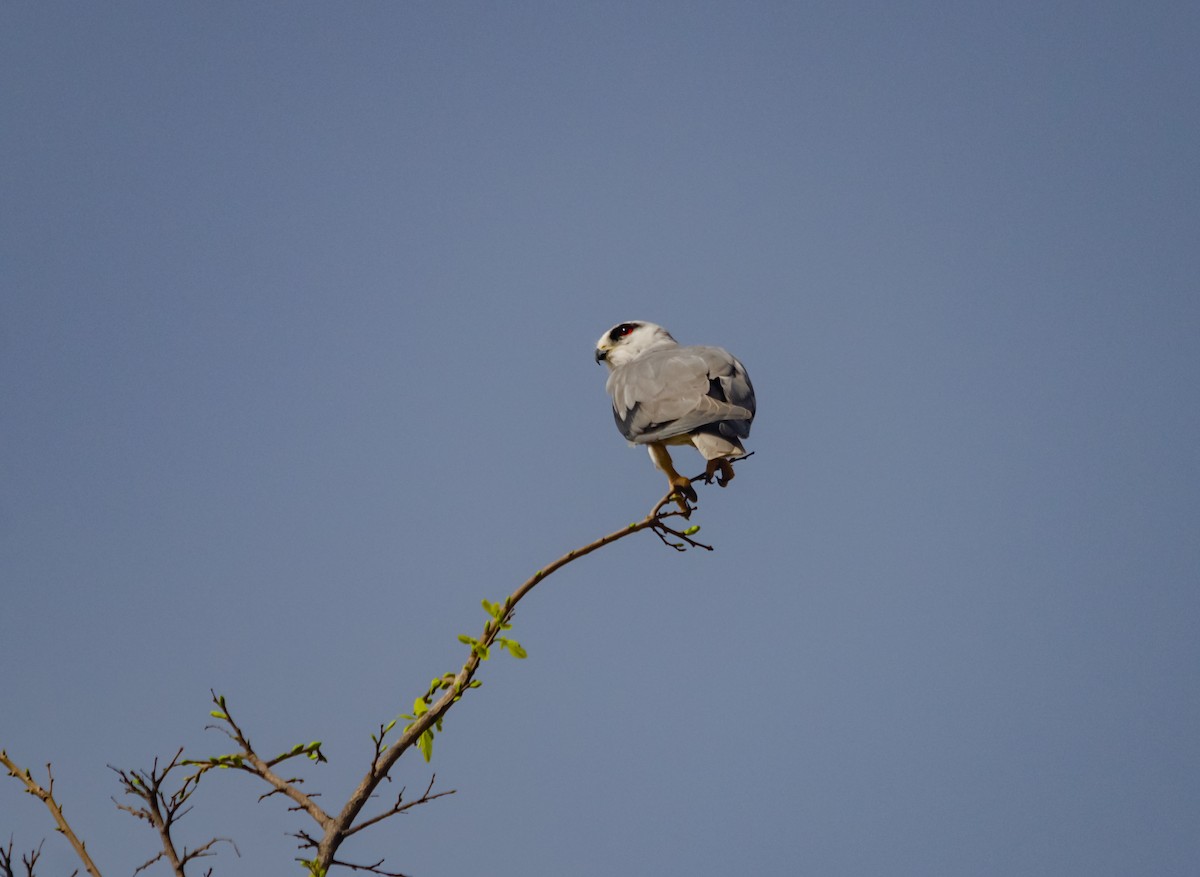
[299,306]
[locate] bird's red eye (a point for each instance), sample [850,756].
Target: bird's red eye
[622,330]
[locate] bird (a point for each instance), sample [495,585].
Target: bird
[666,394]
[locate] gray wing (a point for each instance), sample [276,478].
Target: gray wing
[671,392]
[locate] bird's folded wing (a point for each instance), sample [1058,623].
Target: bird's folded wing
[672,392]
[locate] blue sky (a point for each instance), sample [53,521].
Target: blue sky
[296,368]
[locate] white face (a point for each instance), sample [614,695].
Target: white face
[627,341]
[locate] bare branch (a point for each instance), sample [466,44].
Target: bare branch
[662,531]
[146,864]
[400,806]
[29,860]
[46,796]
[6,859]
[162,810]
[370,869]
[306,839]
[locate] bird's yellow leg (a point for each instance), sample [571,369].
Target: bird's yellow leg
[679,483]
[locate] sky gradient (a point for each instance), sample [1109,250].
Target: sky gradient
[296,367]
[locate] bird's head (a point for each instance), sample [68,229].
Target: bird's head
[627,341]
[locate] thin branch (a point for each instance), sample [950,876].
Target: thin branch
[307,839]
[370,869]
[400,806]
[162,810]
[46,796]
[662,531]
[343,825]
[290,780]
[29,860]
[251,762]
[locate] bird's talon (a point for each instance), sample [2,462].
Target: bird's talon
[726,472]
[681,501]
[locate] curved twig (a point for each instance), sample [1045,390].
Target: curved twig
[343,824]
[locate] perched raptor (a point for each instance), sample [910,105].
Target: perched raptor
[664,394]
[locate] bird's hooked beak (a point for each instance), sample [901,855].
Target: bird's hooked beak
[601,354]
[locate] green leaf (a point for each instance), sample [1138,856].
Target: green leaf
[420,707]
[481,650]
[513,647]
[425,744]
[692,530]
[217,714]
[466,640]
